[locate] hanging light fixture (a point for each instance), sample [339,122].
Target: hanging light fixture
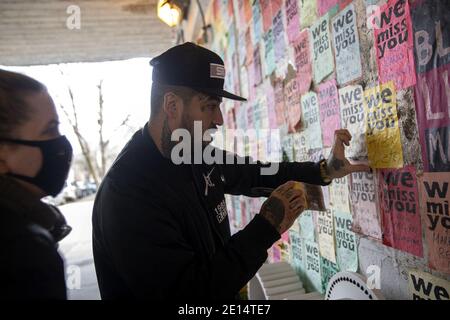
[169,12]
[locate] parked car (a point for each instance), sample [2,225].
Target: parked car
[84,189]
[91,187]
[69,192]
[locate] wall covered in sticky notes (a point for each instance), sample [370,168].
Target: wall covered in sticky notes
[380,69]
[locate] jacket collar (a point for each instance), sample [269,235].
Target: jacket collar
[143,161]
[18,200]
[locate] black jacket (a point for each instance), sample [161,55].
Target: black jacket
[30,266]
[160,231]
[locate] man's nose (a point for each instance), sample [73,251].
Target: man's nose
[218,117]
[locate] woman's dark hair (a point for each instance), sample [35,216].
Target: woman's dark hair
[14,87]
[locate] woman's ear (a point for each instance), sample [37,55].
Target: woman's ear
[171,105]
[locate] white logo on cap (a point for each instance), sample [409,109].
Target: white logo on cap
[217,71]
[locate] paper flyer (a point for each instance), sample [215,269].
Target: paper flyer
[346,248]
[346,46]
[399,204]
[435,197]
[394,45]
[382,130]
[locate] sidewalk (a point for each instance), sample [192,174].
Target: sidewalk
[77,251]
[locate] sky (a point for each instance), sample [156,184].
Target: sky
[126,91]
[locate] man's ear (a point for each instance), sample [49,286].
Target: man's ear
[171,105]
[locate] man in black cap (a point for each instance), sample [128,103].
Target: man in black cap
[160,229]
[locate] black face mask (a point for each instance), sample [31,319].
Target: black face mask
[56,161]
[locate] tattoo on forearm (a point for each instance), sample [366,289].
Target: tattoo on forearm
[273,211]
[337,164]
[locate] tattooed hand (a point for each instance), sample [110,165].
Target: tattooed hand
[337,165]
[283,206]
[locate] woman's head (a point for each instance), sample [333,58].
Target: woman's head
[28,122]
[15,111]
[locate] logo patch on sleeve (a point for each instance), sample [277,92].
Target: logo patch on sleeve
[217,71]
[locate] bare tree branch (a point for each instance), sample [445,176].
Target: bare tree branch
[122,124]
[100,128]
[75,127]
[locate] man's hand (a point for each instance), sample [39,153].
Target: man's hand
[283,206]
[338,166]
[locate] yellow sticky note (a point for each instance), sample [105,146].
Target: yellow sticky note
[382,130]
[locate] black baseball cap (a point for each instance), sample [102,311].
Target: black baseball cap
[192,66]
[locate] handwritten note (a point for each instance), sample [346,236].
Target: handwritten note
[297,253]
[351,100]
[329,269]
[292,20]
[257,69]
[270,103]
[251,80]
[308,12]
[382,131]
[231,41]
[303,62]
[250,116]
[394,44]
[312,261]
[274,147]
[306,224]
[244,82]
[301,147]
[363,203]
[242,48]
[257,115]
[339,194]
[330,119]
[346,249]
[269,53]
[292,98]
[435,196]
[236,78]
[278,36]
[280,106]
[424,286]
[399,205]
[249,46]
[346,46]
[325,227]
[311,119]
[323,62]
[257,21]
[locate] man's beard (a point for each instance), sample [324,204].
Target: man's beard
[187,124]
[166,140]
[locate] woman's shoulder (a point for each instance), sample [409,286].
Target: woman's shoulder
[30,262]
[16,229]
[27,245]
